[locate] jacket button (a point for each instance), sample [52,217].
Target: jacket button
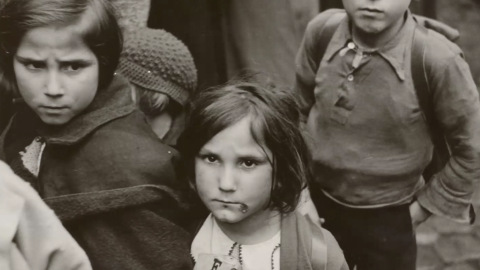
[350,77]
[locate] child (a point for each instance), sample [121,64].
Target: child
[31,236]
[79,141]
[163,74]
[370,141]
[247,160]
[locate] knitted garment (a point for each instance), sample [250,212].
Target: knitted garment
[156,60]
[32,156]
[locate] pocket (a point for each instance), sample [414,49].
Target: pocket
[344,104]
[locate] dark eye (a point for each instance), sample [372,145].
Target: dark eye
[34,65]
[210,159]
[249,163]
[73,67]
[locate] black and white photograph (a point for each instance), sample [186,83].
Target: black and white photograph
[239,134]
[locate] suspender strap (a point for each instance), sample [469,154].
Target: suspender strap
[319,247]
[327,33]
[441,152]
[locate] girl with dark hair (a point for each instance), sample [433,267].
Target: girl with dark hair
[248,163]
[77,138]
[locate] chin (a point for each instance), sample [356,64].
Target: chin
[370,27]
[54,121]
[227,216]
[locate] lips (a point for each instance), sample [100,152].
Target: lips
[53,109]
[372,10]
[227,202]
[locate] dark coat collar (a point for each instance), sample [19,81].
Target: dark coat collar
[110,103]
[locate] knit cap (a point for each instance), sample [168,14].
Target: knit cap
[156,60]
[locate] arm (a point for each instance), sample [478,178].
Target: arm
[35,235]
[457,109]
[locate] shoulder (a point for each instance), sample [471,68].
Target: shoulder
[440,52]
[129,133]
[129,145]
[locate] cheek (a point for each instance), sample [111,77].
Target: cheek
[85,86]
[204,179]
[259,185]
[27,82]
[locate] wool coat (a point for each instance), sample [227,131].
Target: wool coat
[109,179]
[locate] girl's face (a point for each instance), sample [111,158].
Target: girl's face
[56,73]
[232,169]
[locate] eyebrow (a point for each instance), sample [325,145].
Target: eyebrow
[24,59]
[259,157]
[27,59]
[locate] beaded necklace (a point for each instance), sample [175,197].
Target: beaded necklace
[240,259]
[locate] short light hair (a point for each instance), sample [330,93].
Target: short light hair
[153,103]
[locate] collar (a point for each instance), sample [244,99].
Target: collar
[395,52]
[110,103]
[203,240]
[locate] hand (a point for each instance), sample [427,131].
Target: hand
[418,214]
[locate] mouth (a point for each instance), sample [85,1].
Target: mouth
[53,109]
[227,202]
[371,10]
[241,206]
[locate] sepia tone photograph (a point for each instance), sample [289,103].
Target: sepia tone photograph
[239,134]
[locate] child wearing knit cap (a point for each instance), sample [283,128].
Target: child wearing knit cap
[163,74]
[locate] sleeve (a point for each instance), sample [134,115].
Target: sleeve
[40,240]
[306,63]
[457,109]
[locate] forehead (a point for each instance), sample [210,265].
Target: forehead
[42,41]
[237,139]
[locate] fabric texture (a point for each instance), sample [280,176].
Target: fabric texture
[31,236]
[296,244]
[372,239]
[91,171]
[369,140]
[156,60]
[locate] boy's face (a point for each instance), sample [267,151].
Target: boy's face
[374,16]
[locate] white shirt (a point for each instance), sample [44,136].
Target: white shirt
[254,257]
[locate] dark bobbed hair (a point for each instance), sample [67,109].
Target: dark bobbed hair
[275,125]
[100,31]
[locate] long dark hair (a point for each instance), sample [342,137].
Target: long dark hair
[276,125]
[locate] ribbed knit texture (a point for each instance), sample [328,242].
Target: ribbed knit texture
[156,60]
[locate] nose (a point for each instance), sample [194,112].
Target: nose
[53,86]
[227,181]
